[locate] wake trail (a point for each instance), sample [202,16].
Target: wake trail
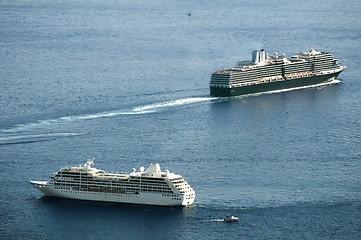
[320,85]
[145,109]
[29,138]
[139,110]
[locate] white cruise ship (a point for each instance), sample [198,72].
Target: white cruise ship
[152,186]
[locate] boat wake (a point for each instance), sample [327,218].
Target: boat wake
[155,107]
[146,109]
[215,220]
[320,85]
[21,139]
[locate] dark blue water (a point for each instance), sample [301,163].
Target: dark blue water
[126,82]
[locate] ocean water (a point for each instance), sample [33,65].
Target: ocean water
[127,82]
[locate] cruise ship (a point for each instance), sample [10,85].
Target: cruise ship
[268,73]
[152,187]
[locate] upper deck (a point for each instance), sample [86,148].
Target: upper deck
[262,60]
[153,172]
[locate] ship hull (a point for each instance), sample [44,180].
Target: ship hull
[272,86]
[146,198]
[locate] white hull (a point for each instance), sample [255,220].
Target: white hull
[149,198]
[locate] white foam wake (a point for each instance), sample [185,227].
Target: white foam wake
[151,108]
[179,102]
[335,81]
[15,139]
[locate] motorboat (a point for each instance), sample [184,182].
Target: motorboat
[231,219]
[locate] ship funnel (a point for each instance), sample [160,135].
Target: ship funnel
[255,57]
[259,57]
[262,56]
[153,168]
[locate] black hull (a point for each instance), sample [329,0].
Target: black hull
[271,86]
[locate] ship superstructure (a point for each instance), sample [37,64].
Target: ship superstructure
[152,186]
[268,73]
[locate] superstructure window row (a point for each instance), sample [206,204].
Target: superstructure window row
[125,184]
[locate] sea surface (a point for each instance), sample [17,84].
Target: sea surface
[127,83]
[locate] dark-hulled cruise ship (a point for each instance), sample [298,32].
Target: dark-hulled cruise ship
[268,73]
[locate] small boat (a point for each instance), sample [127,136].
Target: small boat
[231,219]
